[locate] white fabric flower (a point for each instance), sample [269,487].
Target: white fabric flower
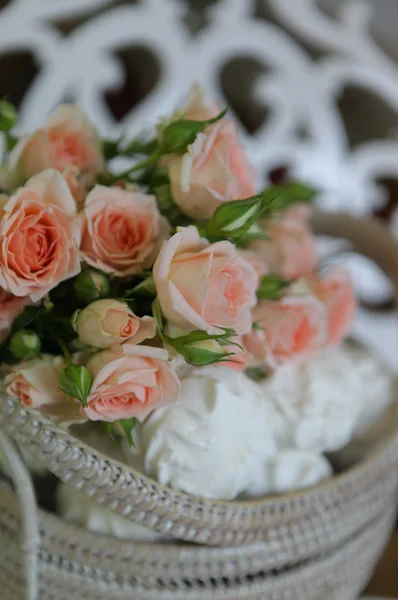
[85,512]
[215,441]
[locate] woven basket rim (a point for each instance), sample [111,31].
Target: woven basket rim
[336,480]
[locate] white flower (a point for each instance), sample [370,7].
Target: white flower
[322,401]
[296,469]
[85,512]
[376,389]
[319,400]
[215,441]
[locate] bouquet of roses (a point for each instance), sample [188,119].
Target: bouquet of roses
[115,284]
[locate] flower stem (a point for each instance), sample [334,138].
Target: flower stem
[65,351]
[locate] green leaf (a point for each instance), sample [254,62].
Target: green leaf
[139,145]
[144,288]
[29,315]
[180,134]
[75,381]
[11,142]
[164,198]
[109,430]
[110,148]
[271,287]
[8,116]
[128,426]
[279,197]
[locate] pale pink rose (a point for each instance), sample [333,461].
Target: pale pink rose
[106,322]
[67,139]
[39,236]
[36,384]
[204,286]
[290,251]
[122,230]
[256,260]
[214,170]
[77,184]
[197,108]
[130,381]
[292,328]
[336,291]
[10,308]
[3,201]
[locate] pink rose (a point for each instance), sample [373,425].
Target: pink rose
[130,381]
[39,236]
[35,383]
[292,328]
[204,286]
[197,108]
[10,308]
[214,170]
[68,139]
[290,252]
[106,322]
[337,292]
[122,230]
[3,201]
[256,260]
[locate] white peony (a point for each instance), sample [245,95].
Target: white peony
[215,441]
[322,401]
[377,389]
[292,470]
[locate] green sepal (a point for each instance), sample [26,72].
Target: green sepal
[75,381]
[128,426]
[236,220]
[178,135]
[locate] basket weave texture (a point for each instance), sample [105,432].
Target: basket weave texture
[76,564]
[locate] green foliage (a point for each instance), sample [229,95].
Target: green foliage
[75,381]
[271,287]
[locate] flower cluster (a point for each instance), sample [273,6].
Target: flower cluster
[111,280]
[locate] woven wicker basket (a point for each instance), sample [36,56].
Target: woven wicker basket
[312,544]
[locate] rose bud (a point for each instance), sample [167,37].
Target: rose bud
[25,344]
[107,322]
[91,285]
[205,352]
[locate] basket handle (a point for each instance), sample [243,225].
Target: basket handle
[368,237]
[30,523]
